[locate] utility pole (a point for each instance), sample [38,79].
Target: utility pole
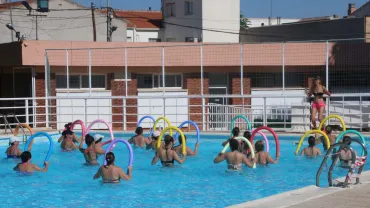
[37,24]
[93,20]
[11,18]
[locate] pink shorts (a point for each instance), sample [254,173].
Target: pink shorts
[318,105]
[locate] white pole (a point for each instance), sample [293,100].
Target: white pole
[242,76]
[67,64]
[46,90]
[164,85]
[283,68]
[126,92]
[327,78]
[201,89]
[89,72]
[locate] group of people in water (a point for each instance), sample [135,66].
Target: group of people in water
[168,153]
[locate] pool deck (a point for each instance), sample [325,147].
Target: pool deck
[312,196]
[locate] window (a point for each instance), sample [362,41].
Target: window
[170,10]
[80,81]
[189,8]
[154,40]
[171,39]
[189,39]
[155,81]
[129,39]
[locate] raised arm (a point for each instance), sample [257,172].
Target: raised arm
[248,162]
[45,169]
[75,138]
[177,158]
[97,174]
[123,174]
[156,157]
[61,138]
[219,158]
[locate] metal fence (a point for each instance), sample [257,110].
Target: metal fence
[207,83]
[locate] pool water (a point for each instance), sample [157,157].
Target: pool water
[197,183]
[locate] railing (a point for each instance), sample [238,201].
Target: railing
[350,171]
[208,116]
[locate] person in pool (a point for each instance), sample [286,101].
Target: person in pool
[13,150]
[98,144]
[262,157]
[345,155]
[318,105]
[311,150]
[189,152]
[111,173]
[26,167]
[139,140]
[234,158]
[153,144]
[89,153]
[243,147]
[167,155]
[331,137]
[235,133]
[74,137]
[67,143]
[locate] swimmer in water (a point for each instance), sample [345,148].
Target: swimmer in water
[262,157]
[345,155]
[13,150]
[153,143]
[235,133]
[139,140]
[331,137]
[67,143]
[234,158]
[311,150]
[89,153]
[26,167]
[178,149]
[243,147]
[111,173]
[98,144]
[74,137]
[167,155]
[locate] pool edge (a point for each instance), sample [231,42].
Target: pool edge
[297,196]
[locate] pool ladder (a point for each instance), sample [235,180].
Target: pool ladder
[7,125]
[335,160]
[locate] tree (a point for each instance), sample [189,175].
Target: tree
[244,22]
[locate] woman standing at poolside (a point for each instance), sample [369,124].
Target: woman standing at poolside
[167,155]
[318,105]
[111,173]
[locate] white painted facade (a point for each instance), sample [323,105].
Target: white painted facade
[155,107]
[60,25]
[142,35]
[216,15]
[69,110]
[257,22]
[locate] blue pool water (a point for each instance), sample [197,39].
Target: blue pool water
[197,183]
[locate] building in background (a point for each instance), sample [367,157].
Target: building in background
[66,20]
[201,20]
[259,22]
[142,26]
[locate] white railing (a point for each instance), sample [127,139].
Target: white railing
[210,117]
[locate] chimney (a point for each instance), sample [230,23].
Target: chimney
[351,8]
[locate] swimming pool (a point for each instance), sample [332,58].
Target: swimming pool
[197,183]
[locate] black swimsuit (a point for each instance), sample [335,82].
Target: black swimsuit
[168,162]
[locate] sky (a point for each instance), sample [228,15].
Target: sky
[255,8]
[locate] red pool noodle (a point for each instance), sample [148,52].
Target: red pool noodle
[272,132]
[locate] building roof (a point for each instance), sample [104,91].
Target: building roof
[361,9]
[141,19]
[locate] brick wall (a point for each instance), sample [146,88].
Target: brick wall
[40,92]
[193,83]
[235,89]
[118,88]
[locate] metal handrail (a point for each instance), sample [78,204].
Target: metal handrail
[330,172]
[6,123]
[18,122]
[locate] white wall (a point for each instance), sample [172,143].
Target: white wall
[178,32]
[256,22]
[60,25]
[221,15]
[69,110]
[143,35]
[154,107]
